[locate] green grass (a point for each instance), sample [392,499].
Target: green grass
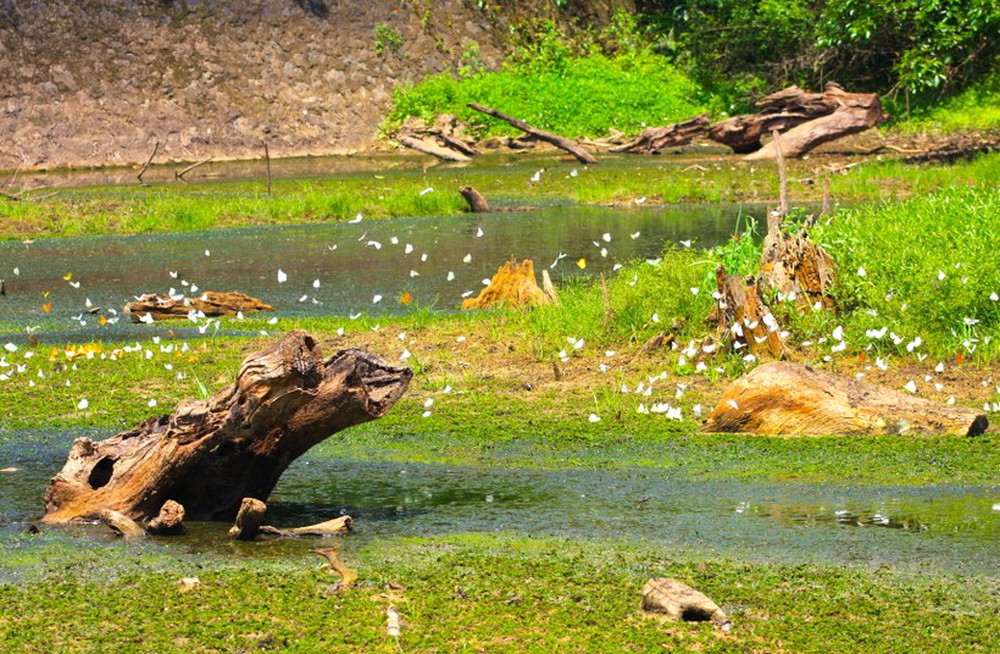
[575,96]
[975,108]
[496,593]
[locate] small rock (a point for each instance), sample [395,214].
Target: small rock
[678,601]
[188,583]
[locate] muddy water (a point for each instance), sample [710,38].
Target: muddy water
[938,527]
[336,268]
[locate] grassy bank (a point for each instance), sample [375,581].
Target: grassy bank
[616,180]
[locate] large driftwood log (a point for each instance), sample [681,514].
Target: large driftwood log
[806,120]
[560,142]
[210,454]
[792,399]
[210,303]
[514,286]
[653,140]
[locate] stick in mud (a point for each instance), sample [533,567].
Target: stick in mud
[267,161]
[181,174]
[156,146]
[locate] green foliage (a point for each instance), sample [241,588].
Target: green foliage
[387,39]
[555,90]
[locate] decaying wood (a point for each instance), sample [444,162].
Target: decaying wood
[791,399]
[208,303]
[961,147]
[119,523]
[743,319]
[249,519]
[662,339]
[653,140]
[181,173]
[156,146]
[560,142]
[549,288]
[678,601]
[170,520]
[805,119]
[428,146]
[477,203]
[335,527]
[210,454]
[348,576]
[447,133]
[513,286]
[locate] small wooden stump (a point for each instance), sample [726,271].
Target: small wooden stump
[249,519]
[784,398]
[169,521]
[743,319]
[514,285]
[210,303]
[121,524]
[678,601]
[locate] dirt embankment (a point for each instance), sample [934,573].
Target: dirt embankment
[98,82]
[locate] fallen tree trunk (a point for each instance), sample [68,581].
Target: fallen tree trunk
[806,119]
[430,147]
[151,306]
[790,399]
[210,454]
[653,140]
[560,142]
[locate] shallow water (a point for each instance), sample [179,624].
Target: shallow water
[941,527]
[334,268]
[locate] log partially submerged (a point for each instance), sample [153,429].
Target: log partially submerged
[336,527]
[653,140]
[784,398]
[560,142]
[427,146]
[210,454]
[170,520]
[805,119]
[249,519]
[209,303]
[514,285]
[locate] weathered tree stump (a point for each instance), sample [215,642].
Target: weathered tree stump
[513,285]
[678,601]
[170,520]
[653,140]
[560,142]
[249,519]
[791,399]
[743,319]
[210,454]
[805,119]
[210,303]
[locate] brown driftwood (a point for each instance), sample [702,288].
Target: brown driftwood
[653,140]
[119,523]
[790,399]
[249,519]
[181,173]
[210,303]
[806,119]
[743,319]
[560,142]
[514,285]
[152,154]
[678,601]
[335,527]
[348,576]
[477,203]
[210,454]
[170,520]
[428,146]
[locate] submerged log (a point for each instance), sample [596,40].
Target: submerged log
[210,454]
[560,142]
[791,399]
[151,306]
[170,520]
[678,601]
[514,286]
[806,120]
[653,140]
[335,527]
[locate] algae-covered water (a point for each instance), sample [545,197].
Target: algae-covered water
[942,527]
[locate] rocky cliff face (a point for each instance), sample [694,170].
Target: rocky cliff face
[98,82]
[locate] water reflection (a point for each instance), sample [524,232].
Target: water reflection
[949,527]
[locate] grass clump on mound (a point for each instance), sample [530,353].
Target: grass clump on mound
[566,94]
